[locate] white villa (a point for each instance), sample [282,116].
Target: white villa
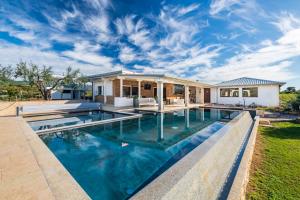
[120,88]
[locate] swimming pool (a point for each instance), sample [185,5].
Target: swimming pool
[115,160]
[71,119]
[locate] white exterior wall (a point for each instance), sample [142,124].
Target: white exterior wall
[268,95]
[213,95]
[108,90]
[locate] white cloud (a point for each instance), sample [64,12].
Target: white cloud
[100,4]
[271,61]
[127,55]
[286,22]
[12,54]
[218,6]
[187,9]
[63,19]
[135,31]
[86,52]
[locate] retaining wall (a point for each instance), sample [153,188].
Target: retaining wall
[202,173]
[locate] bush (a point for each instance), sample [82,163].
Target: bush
[287,101]
[296,103]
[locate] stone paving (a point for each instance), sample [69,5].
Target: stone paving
[28,170]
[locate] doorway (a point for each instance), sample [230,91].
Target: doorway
[206,95]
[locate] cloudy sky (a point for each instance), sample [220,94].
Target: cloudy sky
[210,41]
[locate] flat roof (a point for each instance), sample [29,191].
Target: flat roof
[133,75]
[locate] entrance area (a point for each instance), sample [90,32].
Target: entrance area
[206,95]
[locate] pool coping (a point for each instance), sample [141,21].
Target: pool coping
[63,128]
[55,180]
[173,184]
[238,188]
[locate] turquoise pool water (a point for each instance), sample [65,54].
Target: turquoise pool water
[115,160]
[73,119]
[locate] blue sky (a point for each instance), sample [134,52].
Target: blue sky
[210,41]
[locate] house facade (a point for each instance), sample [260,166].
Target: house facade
[120,88]
[248,91]
[69,92]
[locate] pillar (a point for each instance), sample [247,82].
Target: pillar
[121,87]
[202,96]
[160,95]
[139,88]
[103,91]
[186,95]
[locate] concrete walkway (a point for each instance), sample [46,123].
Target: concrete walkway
[28,170]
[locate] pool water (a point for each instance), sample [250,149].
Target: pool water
[115,160]
[73,119]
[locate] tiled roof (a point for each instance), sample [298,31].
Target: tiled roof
[249,81]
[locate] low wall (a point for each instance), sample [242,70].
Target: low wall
[9,108]
[202,173]
[123,101]
[239,186]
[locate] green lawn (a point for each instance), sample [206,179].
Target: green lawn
[277,174]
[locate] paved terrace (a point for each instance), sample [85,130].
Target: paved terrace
[28,170]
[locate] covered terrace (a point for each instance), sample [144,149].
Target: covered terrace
[123,89]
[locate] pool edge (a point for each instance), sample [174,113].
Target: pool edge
[238,188]
[61,182]
[183,179]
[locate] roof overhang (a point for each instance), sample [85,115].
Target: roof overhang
[149,77]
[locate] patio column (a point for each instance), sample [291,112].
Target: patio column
[103,91]
[160,95]
[121,87]
[139,88]
[201,95]
[186,95]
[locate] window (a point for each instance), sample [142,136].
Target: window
[66,91]
[99,90]
[126,91]
[147,86]
[229,92]
[178,89]
[134,91]
[250,92]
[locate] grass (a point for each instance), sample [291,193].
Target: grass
[275,171]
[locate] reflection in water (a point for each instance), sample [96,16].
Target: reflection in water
[112,161]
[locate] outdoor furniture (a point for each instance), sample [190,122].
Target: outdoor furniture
[177,102]
[147,102]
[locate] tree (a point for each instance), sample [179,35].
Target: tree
[296,103]
[290,90]
[43,78]
[6,73]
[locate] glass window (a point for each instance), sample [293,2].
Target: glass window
[135,91]
[99,90]
[66,91]
[147,86]
[229,92]
[250,92]
[126,91]
[178,89]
